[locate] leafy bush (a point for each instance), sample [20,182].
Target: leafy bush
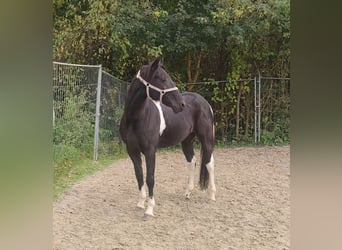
[277,132]
[74,127]
[66,156]
[73,132]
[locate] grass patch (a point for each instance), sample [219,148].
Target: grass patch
[71,165]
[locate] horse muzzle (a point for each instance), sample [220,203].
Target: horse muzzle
[179,108]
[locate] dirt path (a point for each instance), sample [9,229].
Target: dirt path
[252,210]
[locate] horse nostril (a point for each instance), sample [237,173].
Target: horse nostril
[183,104]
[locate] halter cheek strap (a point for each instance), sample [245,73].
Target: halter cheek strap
[162,92]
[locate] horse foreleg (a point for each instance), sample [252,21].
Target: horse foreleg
[136,159]
[150,167]
[142,197]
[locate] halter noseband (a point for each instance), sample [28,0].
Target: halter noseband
[162,92]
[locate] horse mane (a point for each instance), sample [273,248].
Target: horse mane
[136,95]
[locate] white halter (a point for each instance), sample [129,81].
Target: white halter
[162,92]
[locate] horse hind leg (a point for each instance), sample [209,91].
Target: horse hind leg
[207,173]
[211,187]
[189,153]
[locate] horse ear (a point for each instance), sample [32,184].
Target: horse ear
[156,63]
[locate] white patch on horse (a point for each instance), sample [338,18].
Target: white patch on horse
[161,115]
[191,173]
[142,197]
[211,109]
[212,187]
[212,112]
[150,204]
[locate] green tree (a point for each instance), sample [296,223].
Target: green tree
[207,39]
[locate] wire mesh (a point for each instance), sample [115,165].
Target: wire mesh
[74,108]
[245,110]
[113,94]
[74,101]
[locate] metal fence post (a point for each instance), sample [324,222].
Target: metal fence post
[97,113]
[259,108]
[255,110]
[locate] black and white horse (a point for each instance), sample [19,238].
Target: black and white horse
[156,115]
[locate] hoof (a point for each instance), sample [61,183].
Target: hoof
[187,196]
[211,195]
[147,217]
[139,208]
[212,198]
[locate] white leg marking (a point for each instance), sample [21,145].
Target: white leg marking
[142,197]
[150,204]
[191,176]
[211,186]
[161,115]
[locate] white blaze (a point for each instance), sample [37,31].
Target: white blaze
[161,115]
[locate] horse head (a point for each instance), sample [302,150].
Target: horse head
[159,86]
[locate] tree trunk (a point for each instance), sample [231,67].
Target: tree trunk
[193,76]
[188,67]
[198,66]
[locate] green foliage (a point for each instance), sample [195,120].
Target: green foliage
[200,41]
[73,133]
[65,156]
[74,127]
[206,41]
[276,136]
[124,34]
[276,131]
[118,112]
[73,138]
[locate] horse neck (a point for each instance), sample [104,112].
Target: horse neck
[135,100]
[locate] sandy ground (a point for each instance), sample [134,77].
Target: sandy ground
[252,210]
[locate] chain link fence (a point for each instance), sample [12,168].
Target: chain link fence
[247,111]
[88,104]
[113,95]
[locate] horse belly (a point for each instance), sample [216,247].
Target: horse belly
[174,134]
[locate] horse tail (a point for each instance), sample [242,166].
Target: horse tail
[207,144]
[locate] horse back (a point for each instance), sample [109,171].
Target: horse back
[199,106]
[197,115]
